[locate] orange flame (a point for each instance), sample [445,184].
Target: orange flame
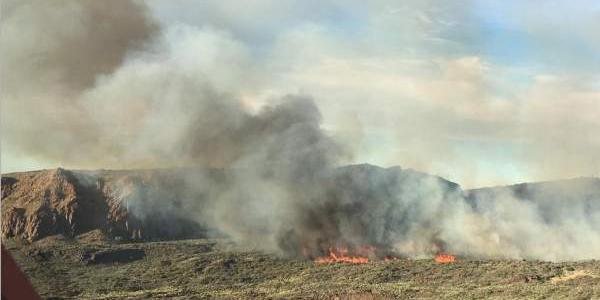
[342,255]
[445,258]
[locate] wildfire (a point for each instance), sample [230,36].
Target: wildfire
[445,258]
[342,254]
[363,255]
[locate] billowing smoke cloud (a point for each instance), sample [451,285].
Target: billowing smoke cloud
[397,211]
[119,91]
[51,53]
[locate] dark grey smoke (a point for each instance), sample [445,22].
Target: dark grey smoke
[69,42]
[364,205]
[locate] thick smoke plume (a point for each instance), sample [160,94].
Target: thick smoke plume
[51,53]
[118,91]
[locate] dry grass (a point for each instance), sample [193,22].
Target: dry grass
[572,275]
[209,269]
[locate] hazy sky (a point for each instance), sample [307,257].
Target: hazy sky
[479,92]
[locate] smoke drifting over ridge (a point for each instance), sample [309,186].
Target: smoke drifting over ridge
[119,91]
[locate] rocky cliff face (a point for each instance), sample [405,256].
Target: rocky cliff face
[42,203]
[36,204]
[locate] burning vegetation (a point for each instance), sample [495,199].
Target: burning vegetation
[444,258]
[359,255]
[365,254]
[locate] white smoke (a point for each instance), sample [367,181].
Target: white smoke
[130,94]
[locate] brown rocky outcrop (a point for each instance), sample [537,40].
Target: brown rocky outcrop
[36,204]
[42,203]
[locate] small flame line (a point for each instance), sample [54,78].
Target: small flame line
[341,255]
[444,258]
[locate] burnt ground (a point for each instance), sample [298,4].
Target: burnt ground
[96,269]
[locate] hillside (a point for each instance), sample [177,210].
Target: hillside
[126,234]
[42,203]
[150,204]
[215,269]
[578,197]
